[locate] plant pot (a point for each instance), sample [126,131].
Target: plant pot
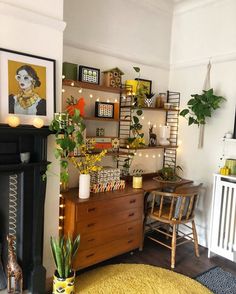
[137,182]
[84,186]
[61,285]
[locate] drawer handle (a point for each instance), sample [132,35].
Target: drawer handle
[91,209]
[130,241]
[91,240]
[131,214]
[91,225]
[132,201]
[130,228]
[90,255]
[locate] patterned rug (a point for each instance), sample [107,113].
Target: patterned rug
[218,281]
[136,279]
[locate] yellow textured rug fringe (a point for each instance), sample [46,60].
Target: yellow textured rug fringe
[135,279]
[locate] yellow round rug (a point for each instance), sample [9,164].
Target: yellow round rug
[135,279]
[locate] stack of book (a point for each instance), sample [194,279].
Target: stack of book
[107,179]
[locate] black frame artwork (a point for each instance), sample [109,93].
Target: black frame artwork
[147,84]
[91,80]
[15,68]
[100,113]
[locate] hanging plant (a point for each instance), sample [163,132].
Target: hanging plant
[201,106]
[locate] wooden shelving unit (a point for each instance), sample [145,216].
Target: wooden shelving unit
[152,108]
[95,87]
[151,147]
[100,119]
[109,153]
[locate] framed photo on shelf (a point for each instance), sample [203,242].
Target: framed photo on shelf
[104,109]
[146,85]
[27,87]
[89,74]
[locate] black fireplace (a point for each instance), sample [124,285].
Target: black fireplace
[22,196]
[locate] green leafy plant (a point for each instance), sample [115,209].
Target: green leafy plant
[137,139]
[64,250]
[141,90]
[68,130]
[169,173]
[201,106]
[137,172]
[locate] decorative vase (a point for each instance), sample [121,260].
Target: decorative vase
[137,182]
[84,186]
[61,285]
[164,135]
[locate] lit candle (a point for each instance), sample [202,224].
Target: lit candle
[13,121]
[38,123]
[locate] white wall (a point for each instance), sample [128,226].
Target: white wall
[198,34]
[34,28]
[130,29]
[106,34]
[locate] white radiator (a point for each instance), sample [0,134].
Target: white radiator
[223,217]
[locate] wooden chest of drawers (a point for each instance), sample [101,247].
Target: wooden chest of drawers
[109,224]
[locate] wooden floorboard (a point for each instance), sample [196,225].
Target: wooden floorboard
[186,262]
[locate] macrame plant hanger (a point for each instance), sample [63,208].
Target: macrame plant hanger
[206,86]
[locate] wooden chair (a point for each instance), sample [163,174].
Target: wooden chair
[173,209]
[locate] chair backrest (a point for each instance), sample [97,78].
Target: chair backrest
[177,206]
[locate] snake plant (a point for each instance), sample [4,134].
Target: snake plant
[64,250]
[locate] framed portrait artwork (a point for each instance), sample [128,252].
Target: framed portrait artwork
[146,85]
[27,87]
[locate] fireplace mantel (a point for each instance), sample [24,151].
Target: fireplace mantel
[31,191]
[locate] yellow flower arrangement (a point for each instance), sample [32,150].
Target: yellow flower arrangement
[87,163]
[137,143]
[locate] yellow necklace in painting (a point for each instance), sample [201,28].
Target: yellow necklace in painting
[27,98]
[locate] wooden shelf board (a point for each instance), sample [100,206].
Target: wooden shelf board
[111,137]
[151,108]
[90,86]
[100,118]
[109,153]
[153,147]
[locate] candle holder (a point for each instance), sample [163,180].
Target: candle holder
[164,135]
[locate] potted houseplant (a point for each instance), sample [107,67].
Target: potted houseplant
[201,106]
[169,174]
[64,250]
[137,178]
[68,129]
[86,163]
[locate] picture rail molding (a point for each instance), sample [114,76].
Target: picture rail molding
[30,16]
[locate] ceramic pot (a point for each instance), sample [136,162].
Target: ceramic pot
[84,186]
[137,182]
[65,286]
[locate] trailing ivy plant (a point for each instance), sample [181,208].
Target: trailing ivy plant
[69,135]
[137,139]
[201,106]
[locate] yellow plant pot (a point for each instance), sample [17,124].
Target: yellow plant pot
[137,182]
[65,286]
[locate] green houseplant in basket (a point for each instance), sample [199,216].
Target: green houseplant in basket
[64,250]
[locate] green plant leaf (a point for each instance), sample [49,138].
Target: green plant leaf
[139,112]
[137,69]
[190,120]
[135,119]
[184,112]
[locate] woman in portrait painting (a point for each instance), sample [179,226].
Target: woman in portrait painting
[27,101]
